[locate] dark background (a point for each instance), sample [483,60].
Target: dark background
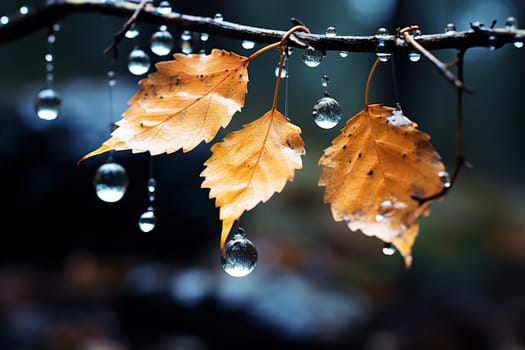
[77,273]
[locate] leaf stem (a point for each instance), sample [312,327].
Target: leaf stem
[369,80]
[121,33]
[280,43]
[278,80]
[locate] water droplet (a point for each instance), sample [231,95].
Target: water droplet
[161,42]
[312,57]
[186,47]
[519,42]
[186,35]
[218,17]
[325,80]
[239,256]
[327,112]
[204,36]
[450,28]
[284,72]
[111,182]
[164,8]
[398,118]
[24,10]
[383,56]
[388,249]
[382,32]
[112,81]
[414,56]
[47,104]
[56,27]
[51,38]
[4,20]
[443,175]
[491,42]
[385,209]
[381,53]
[132,32]
[331,32]
[344,54]
[138,62]
[247,44]
[152,185]
[147,220]
[511,23]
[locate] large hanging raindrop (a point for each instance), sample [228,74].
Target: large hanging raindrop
[161,41]
[138,61]
[327,112]
[48,101]
[111,181]
[239,255]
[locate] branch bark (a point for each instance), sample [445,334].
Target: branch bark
[56,10]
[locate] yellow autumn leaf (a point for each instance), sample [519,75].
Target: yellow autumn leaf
[186,101]
[372,171]
[251,164]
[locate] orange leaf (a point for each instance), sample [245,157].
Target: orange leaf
[251,164]
[184,103]
[372,170]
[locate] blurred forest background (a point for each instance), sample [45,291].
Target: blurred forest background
[77,273]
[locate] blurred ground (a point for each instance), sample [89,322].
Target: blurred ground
[77,273]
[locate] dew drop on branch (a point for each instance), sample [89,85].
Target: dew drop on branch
[247,44]
[511,23]
[164,8]
[450,28]
[312,57]
[331,32]
[414,56]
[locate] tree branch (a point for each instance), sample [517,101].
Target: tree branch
[56,10]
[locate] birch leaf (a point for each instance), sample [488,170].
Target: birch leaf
[186,101]
[372,170]
[251,164]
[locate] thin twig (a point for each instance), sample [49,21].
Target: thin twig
[56,10]
[460,158]
[442,67]
[120,35]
